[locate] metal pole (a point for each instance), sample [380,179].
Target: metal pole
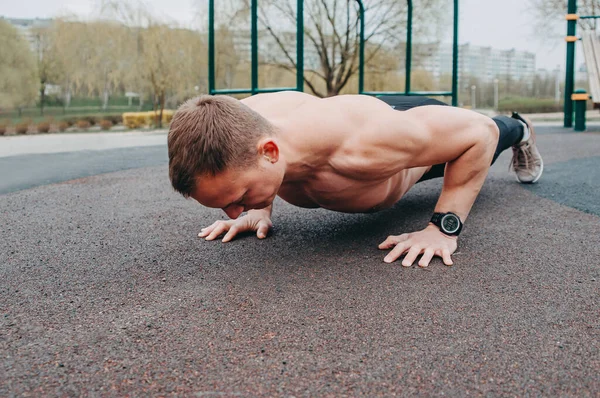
[496,94]
[580,98]
[408,49]
[570,78]
[361,57]
[455,57]
[211,46]
[254,17]
[300,47]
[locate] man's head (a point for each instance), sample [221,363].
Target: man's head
[223,154]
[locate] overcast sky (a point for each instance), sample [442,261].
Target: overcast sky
[502,24]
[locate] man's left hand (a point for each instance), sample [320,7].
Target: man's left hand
[429,242]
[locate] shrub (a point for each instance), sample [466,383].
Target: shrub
[143,119]
[2,128]
[21,128]
[63,125]
[167,116]
[92,120]
[71,121]
[116,119]
[130,120]
[83,124]
[138,119]
[105,124]
[43,127]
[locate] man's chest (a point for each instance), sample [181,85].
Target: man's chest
[339,193]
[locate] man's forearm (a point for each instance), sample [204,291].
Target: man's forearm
[464,178]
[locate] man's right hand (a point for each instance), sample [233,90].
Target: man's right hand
[255,220]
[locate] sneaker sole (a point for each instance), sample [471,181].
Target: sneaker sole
[535,179]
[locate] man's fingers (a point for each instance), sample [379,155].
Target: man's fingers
[233,231]
[446,257]
[396,252]
[219,229]
[392,241]
[426,258]
[263,229]
[207,230]
[411,256]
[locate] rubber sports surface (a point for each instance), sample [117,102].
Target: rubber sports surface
[105,289]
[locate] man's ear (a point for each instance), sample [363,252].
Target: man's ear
[268,149]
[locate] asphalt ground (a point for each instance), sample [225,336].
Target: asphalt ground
[105,290]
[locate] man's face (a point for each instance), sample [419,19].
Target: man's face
[236,191]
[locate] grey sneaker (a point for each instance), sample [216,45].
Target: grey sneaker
[527,161]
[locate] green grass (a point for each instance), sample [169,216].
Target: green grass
[79,107]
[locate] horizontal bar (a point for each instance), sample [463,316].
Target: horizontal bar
[234,91]
[249,90]
[276,89]
[413,93]
[590,17]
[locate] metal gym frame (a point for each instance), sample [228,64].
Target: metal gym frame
[300,55]
[571,39]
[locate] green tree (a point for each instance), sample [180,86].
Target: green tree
[18,75]
[159,56]
[48,64]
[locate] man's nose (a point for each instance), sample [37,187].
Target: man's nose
[233,212]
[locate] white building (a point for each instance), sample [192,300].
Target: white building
[485,63]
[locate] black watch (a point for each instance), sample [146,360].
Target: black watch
[448,223]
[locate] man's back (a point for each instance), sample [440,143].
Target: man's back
[331,137]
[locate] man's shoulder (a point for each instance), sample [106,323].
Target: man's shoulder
[276,104]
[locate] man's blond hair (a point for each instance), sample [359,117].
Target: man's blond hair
[210,134]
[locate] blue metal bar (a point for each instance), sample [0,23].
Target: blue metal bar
[455,57]
[300,47]
[570,70]
[408,66]
[254,45]
[211,46]
[590,17]
[276,89]
[233,91]
[412,93]
[253,91]
[361,51]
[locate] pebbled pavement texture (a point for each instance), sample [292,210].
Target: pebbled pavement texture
[105,290]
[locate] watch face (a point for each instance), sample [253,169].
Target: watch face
[450,223]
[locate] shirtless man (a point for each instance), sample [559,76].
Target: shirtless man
[349,153]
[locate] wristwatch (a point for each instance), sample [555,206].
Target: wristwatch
[448,223]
